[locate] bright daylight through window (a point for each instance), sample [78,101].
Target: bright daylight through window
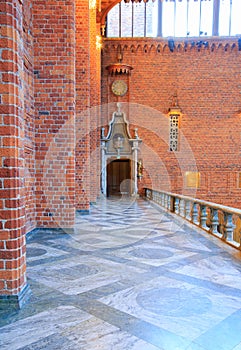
[185,18]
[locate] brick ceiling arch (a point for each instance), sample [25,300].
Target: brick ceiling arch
[106,5]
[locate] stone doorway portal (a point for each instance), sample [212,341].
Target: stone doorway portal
[119,157]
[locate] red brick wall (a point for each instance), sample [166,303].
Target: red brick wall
[207,84]
[54,87]
[12,194]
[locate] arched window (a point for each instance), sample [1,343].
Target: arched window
[175,18]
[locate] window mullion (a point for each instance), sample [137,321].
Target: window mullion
[200,17]
[159,19]
[187,31]
[216,10]
[120,19]
[145,19]
[230,16]
[175,11]
[132,20]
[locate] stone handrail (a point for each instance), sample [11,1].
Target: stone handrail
[219,220]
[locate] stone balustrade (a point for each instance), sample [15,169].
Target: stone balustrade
[218,220]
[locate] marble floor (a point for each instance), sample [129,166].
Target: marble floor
[130,277]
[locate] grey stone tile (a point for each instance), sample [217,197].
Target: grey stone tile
[128,278]
[224,336]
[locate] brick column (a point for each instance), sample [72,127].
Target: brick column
[87,107]
[13,286]
[82,150]
[54,85]
[95,49]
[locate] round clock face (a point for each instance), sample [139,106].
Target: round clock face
[119,87]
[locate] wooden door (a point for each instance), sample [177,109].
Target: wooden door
[118,173]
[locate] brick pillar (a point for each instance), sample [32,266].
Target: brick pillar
[29,117]
[82,106]
[13,286]
[87,107]
[95,42]
[98,109]
[54,85]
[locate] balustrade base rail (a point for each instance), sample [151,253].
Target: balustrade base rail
[221,221]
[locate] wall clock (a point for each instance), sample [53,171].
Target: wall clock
[119,87]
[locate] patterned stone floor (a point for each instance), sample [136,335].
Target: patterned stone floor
[129,278]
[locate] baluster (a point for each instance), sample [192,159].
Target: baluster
[168,202]
[188,210]
[158,198]
[172,204]
[182,208]
[194,213]
[165,201]
[228,227]
[176,206]
[214,222]
[203,217]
